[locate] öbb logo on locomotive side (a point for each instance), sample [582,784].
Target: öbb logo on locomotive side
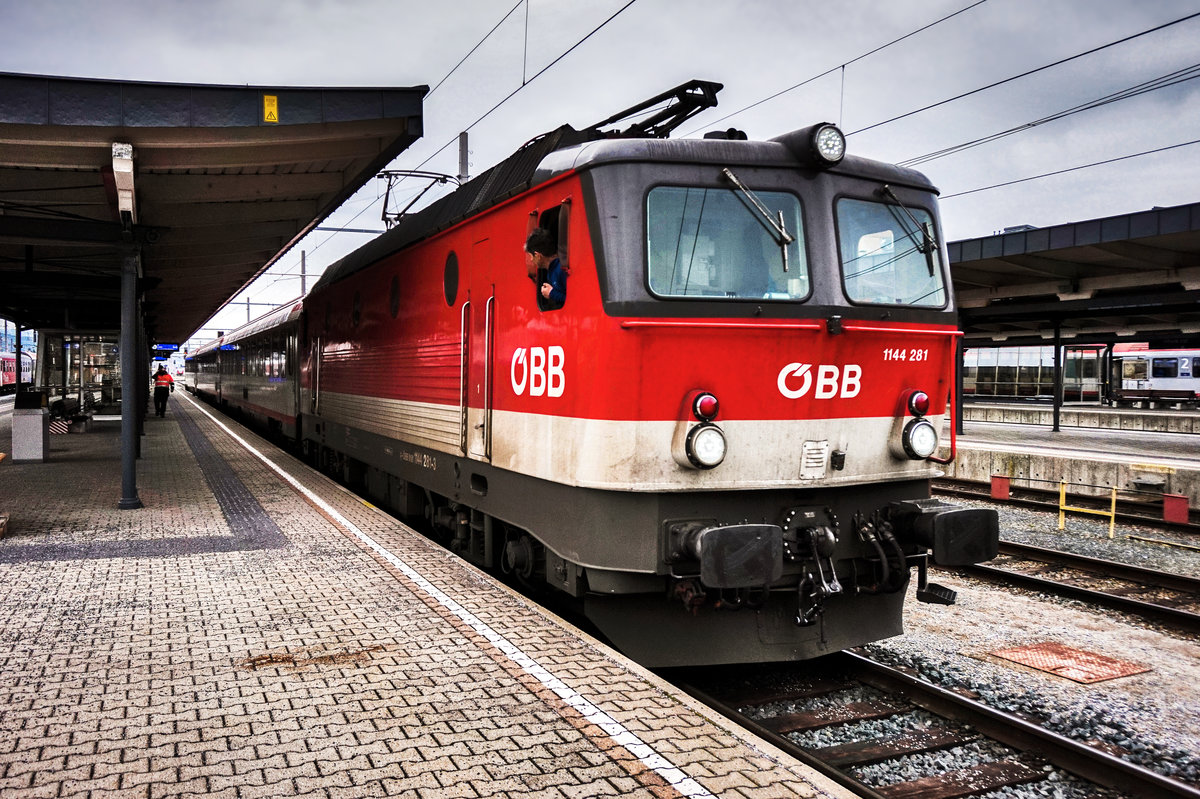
[796,379]
[540,369]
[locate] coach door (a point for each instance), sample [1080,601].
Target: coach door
[314,376]
[220,367]
[481,327]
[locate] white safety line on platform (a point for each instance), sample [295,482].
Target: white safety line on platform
[613,728]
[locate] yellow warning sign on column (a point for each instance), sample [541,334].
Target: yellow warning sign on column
[270,108]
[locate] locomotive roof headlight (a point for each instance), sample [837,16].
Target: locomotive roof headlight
[705,446]
[829,144]
[818,146]
[920,439]
[705,406]
[918,403]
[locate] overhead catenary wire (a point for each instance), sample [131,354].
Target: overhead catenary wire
[1027,73]
[1072,169]
[287,274]
[495,107]
[524,82]
[1161,82]
[841,67]
[480,43]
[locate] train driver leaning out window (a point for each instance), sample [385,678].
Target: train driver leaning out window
[544,267]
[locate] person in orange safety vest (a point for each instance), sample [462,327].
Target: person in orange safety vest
[164,384]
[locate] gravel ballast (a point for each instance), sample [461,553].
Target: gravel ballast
[1154,717]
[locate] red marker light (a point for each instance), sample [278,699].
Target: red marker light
[918,403]
[705,407]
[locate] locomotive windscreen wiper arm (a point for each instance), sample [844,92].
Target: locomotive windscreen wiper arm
[928,244]
[783,238]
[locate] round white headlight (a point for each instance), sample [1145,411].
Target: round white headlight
[829,144]
[705,446]
[920,439]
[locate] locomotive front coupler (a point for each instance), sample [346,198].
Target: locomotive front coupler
[730,555]
[958,536]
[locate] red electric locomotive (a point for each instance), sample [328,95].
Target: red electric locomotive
[8,370]
[720,442]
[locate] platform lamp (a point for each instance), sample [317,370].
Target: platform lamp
[122,162]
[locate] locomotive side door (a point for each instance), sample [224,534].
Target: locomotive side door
[480,352]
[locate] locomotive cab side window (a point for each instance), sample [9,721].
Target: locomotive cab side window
[888,255]
[550,278]
[712,243]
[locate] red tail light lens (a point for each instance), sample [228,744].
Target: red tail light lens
[918,403]
[705,407]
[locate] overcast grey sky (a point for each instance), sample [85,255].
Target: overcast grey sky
[757,48]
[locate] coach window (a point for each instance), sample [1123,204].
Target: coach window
[716,244]
[889,255]
[1133,369]
[1164,367]
[394,297]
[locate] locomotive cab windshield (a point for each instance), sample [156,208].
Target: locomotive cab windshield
[712,243]
[889,256]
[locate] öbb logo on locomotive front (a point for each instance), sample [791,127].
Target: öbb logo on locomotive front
[828,383]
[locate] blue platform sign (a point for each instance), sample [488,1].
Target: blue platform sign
[166,347]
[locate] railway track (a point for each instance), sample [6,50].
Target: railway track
[1169,599]
[1128,511]
[938,743]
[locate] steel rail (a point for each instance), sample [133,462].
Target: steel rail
[1080,759]
[1106,568]
[1179,619]
[782,742]
[1084,761]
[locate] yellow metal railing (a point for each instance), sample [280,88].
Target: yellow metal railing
[1063,507]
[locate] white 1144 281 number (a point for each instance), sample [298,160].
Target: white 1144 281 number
[902,354]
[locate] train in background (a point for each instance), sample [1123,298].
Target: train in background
[1118,375]
[8,370]
[719,446]
[1154,375]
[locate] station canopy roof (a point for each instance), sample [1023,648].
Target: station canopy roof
[212,184]
[1127,278]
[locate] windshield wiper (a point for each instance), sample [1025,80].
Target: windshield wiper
[927,244]
[782,237]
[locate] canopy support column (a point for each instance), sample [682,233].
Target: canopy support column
[1058,377]
[130,375]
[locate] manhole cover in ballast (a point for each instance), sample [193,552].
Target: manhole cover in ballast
[1074,664]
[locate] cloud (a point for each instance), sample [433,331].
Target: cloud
[757,49]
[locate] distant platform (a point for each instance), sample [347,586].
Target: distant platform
[1129,457]
[1160,420]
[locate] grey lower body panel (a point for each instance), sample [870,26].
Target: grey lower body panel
[658,633]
